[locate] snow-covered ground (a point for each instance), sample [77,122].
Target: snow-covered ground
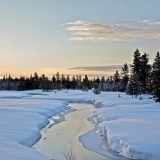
[131,125]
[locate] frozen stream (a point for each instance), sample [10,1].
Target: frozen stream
[57,138]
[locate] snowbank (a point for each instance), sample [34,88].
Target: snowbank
[20,122]
[131,125]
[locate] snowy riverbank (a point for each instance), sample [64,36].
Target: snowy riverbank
[131,125]
[61,137]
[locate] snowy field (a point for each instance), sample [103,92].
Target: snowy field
[131,125]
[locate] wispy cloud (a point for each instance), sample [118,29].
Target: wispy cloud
[98,68]
[87,31]
[142,22]
[76,22]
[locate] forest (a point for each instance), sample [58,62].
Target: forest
[142,78]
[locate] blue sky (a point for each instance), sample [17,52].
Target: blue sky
[54,35]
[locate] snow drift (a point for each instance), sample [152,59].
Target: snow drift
[131,125]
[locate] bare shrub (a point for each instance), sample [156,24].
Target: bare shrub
[69,154]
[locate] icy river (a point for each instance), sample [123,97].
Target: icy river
[75,131]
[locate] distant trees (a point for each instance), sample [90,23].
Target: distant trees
[125,77]
[144,78]
[53,81]
[96,86]
[116,78]
[85,83]
[58,81]
[63,81]
[35,80]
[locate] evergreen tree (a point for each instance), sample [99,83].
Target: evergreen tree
[116,78]
[73,83]
[63,81]
[48,86]
[27,84]
[144,71]
[77,82]
[9,81]
[4,82]
[35,81]
[134,86]
[103,84]
[155,78]
[21,84]
[31,82]
[85,83]
[53,82]
[136,63]
[4,79]
[96,86]
[58,81]
[125,77]
[90,85]
[16,80]
[43,82]
[111,83]
[108,88]
[68,84]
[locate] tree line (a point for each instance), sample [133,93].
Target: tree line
[143,78]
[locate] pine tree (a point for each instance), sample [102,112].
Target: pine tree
[125,77]
[155,78]
[111,83]
[42,82]
[134,86]
[103,84]
[63,81]
[108,84]
[136,62]
[116,78]
[58,81]
[85,83]
[73,83]
[9,81]
[53,82]
[141,68]
[79,82]
[31,82]
[96,86]
[144,71]
[46,85]
[16,80]
[21,84]
[68,84]
[35,81]
[27,84]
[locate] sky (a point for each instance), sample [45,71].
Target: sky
[93,37]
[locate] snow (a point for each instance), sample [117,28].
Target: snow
[94,145]
[20,122]
[131,125]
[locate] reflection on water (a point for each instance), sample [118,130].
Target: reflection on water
[56,139]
